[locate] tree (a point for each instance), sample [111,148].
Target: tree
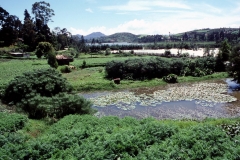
[43,49]
[10,29]
[42,11]
[52,61]
[43,14]
[225,50]
[28,31]
[234,67]
[63,37]
[3,15]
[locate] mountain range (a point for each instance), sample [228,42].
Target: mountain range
[211,34]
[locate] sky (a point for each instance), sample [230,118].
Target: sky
[135,16]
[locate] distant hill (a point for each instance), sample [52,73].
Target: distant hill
[119,37]
[205,34]
[208,34]
[94,35]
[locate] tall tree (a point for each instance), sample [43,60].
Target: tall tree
[42,11]
[28,31]
[225,50]
[10,30]
[43,14]
[234,68]
[63,36]
[3,15]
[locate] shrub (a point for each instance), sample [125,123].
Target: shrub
[11,122]
[171,78]
[44,82]
[108,51]
[167,53]
[52,61]
[65,69]
[84,64]
[43,93]
[43,49]
[57,106]
[200,142]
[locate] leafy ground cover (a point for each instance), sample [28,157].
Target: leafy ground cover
[88,137]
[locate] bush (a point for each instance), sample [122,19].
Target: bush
[43,93]
[52,61]
[171,78]
[57,106]
[43,49]
[84,64]
[11,122]
[200,142]
[108,51]
[44,82]
[65,69]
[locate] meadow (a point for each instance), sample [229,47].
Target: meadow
[90,78]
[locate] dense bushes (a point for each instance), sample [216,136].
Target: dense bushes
[159,67]
[57,106]
[171,78]
[11,122]
[44,82]
[88,137]
[44,93]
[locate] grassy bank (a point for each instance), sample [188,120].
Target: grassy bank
[92,79]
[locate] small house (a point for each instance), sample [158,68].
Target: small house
[63,60]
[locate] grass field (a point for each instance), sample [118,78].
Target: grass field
[91,78]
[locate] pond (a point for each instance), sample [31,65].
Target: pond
[198,100]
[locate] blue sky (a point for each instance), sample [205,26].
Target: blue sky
[136,16]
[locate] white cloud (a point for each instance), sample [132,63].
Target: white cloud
[174,17]
[175,24]
[143,5]
[89,10]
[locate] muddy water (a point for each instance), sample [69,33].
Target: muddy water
[175,109]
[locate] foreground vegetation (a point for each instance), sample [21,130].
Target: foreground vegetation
[88,137]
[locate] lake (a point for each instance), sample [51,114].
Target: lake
[139,103]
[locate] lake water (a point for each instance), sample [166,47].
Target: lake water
[117,43]
[194,109]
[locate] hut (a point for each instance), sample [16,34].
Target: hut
[63,60]
[17,54]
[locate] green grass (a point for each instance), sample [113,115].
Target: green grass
[93,79]
[100,60]
[35,128]
[88,79]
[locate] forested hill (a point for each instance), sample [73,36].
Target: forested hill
[206,34]
[119,37]
[216,34]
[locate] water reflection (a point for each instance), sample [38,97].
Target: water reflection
[195,109]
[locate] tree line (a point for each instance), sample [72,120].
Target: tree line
[34,29]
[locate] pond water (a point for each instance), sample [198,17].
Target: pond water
[140,103]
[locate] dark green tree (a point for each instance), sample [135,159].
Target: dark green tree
[43,14]
[28,31]
[225,50]
[52,61]
[43,49]
[10,28]
[234,66]
[42,11]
